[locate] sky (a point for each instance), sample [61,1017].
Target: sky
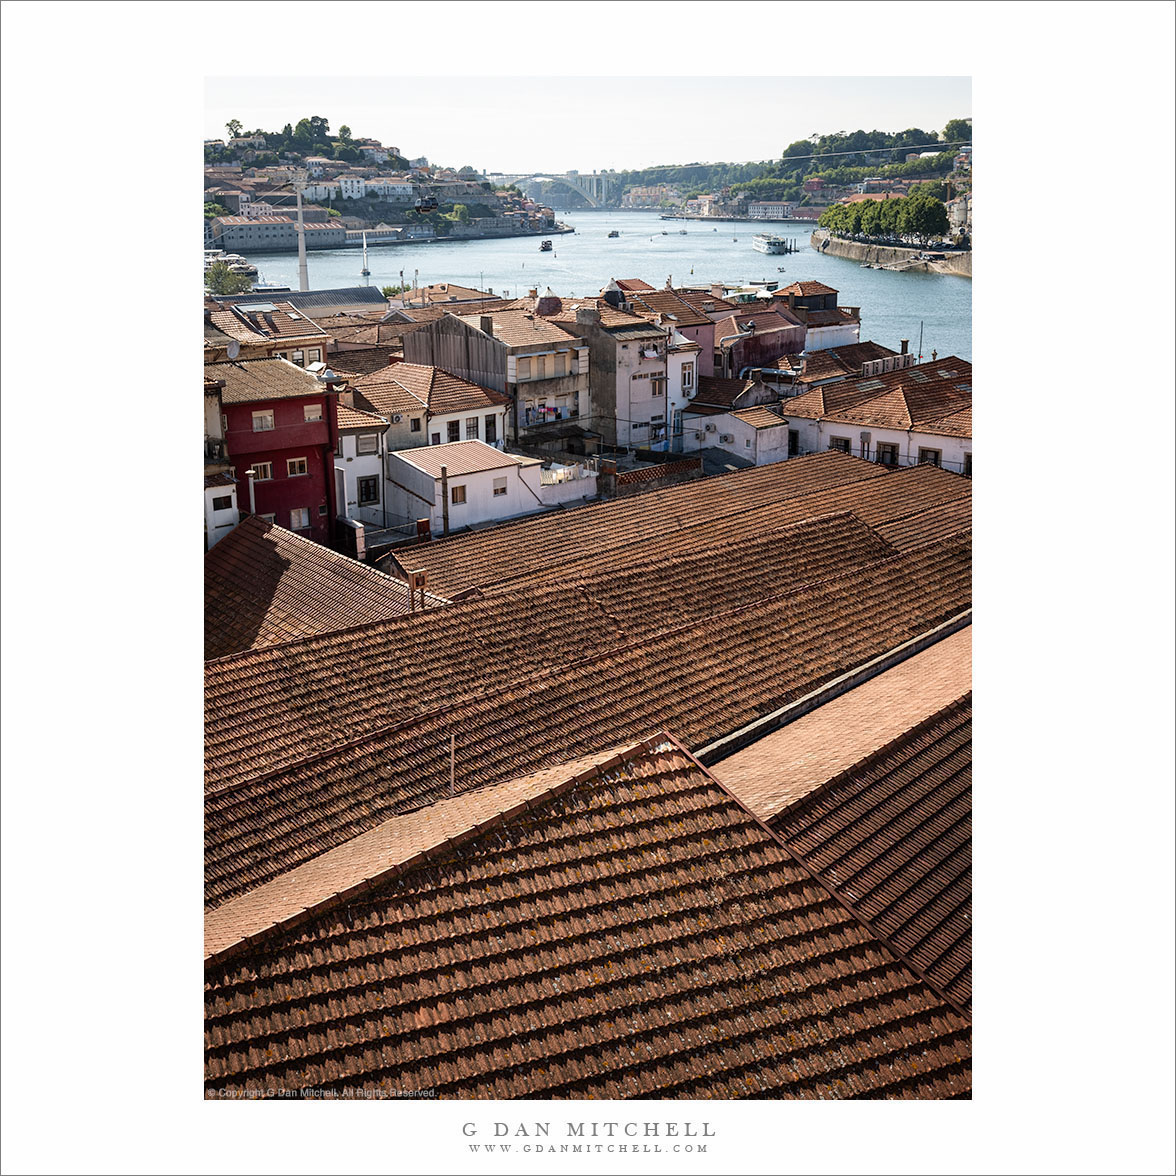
[519,124]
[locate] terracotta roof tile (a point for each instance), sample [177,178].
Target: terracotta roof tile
[838,362]
[632,932]
[517,328]
[805,289]
[353,418]
[311,743]
[892,837]
[247,380]
[264,585]
[461,458]
[785,766]
[760,416]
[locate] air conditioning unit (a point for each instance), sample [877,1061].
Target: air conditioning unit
[711,428]
[397,418]
[726,439]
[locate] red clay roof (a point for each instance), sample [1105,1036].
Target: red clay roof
[355,728]
[892,837]
[271,378]
[718,392]
[784,767]
[631,931]
[832,363]
[264,585]
[682,518]
[805,289]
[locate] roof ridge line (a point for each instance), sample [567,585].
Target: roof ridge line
[620,755]
[833,893]
[609,651]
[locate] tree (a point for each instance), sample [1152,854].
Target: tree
[345,132]
[392,291]
[461,213]
[212,209]
[958,130]
[233,126]
[219,279]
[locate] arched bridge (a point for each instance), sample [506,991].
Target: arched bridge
[595,187]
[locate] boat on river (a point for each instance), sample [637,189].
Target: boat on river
[769,243]
[545,246]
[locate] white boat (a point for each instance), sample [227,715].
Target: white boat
[365,271]
[767,243]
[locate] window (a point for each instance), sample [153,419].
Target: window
[929,456]
[746,442]
[225,503]
[295,467]
[414,426]
[687,376]
[841,443]
[793,442]
[263,471]
[454,428]
[297,357]
[491,429]
[435,439]
[658,417]
[367,443]
[263,421]
[967,465]
[267,518]
[523,371]
[323,511]
[561,364]
[499,487]
[339,445]
[316,356]
[312,412]
[887,454]
[471,428]
[299,519]
[658,385]
[369,490]
[457,495]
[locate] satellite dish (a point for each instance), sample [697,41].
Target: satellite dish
[234,348]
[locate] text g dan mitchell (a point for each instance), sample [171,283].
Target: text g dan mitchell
[592,1130]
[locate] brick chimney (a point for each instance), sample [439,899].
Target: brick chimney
[903,345]
[488,325]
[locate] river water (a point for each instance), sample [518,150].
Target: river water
[893,305]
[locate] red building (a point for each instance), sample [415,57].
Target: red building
[280,421]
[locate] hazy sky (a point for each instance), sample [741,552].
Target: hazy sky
[531,123]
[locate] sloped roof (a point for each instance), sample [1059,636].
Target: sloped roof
[627,931]
[667,303]
[439,391]
[760,416]
[685,517]
[892,836]
[832,363]
[357,418]
[718,391]
[930,397]
[536,686]
[264,585]
[271,378]
[312,302]
[282,322]
[805,289]
[519,328]
[362,361]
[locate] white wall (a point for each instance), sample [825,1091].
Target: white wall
[218,523]
[815,436]
[763,446]
[523,494]
[355,465]
[635,400]
[439,426]
[568,483]
[839,335]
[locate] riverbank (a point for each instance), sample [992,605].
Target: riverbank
[959,264]
[739,220]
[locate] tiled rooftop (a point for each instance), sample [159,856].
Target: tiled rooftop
[264,585]
[518,328]
[784,767]
[805,289]
[892,838]
[718,391]
[314,742]
[685,517]
[930,398]
[440,391]
[760,416]
[838,362]
[247,380]
[627,931]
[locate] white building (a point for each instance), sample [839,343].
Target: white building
[770,209]
[398,190]
[907,417]
[359,466]
[352,187]
[468,483]
[220,507]
[758,434]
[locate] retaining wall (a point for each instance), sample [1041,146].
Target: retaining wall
[859,251]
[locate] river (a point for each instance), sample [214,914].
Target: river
[893,305]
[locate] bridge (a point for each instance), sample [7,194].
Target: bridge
[595,187]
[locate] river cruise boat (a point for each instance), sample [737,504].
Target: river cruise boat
[767,243]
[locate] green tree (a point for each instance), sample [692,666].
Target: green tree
[219,279]
[345,132]
[233,126]
[461,213]
[212,210]
[392,291]
[333,212]
[958,130]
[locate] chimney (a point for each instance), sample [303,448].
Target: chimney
[533,293]
[444,500]
[394,358]
[904,344]
[716,291]
[488,325]
[587,316]
[791,301]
